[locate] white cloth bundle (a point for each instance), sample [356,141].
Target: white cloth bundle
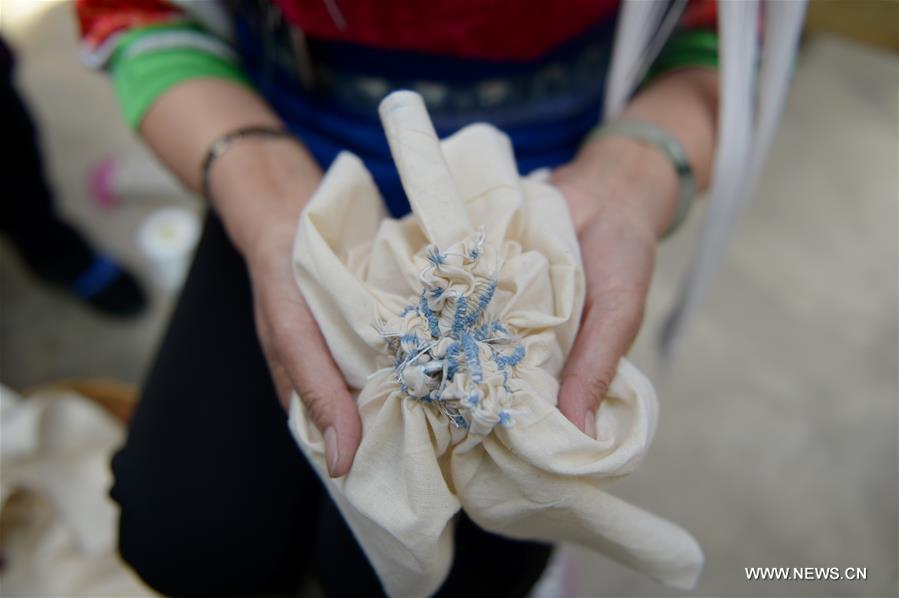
[453,324]
[59,524]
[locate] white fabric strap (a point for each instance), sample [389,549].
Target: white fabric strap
[426,178]
[642,31]
[747,125]
[747,122]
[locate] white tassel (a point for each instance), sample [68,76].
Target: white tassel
[751,102]
[637,24]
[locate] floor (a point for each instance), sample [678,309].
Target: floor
[778,440]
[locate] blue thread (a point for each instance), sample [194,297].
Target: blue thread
[459,421]
[484,300]
[435,257]
[484,331]
[468,330]
[452,361]
[506,379]
[429,315]
[504,361]
[472,359]
[459,319]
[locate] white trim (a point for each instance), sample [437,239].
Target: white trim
[169,39]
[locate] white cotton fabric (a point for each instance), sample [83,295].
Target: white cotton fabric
[515,465]
[59,524]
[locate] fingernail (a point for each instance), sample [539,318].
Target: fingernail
[332,453]
[590,424]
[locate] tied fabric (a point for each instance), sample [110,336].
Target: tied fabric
[452,325]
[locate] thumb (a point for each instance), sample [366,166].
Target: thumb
[608,330]
[323,391]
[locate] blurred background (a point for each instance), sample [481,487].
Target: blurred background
[778,439]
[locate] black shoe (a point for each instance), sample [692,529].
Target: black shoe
[62,257]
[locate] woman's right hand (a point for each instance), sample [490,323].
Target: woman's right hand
[295,349]
[258,188]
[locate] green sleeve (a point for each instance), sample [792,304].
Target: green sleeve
[687,48]
[141,78]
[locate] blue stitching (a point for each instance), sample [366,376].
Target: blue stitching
[472,359]
[431,317]
[452,360]
[470,332]
[504,361]
[435,257]
[459,318]
[484,300]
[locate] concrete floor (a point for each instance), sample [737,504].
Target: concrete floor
[778,441]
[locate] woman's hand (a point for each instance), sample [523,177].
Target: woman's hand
[295,350]
[260,188]
[622,195]
[619,193]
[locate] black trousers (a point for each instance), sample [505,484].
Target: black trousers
[28,219]
[27,203]
[215,496]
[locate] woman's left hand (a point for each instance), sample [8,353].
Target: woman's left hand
[618,192]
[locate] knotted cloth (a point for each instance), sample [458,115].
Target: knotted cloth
[453,325]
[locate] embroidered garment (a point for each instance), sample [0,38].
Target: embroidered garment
[453,325]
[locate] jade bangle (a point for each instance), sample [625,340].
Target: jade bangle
[671,147]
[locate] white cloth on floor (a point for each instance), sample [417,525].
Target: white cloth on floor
[453,325]
[59,524]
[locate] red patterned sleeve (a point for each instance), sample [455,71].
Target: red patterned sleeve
[103,21]
[700,14]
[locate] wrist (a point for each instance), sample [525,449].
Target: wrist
[623,174]
[259,188]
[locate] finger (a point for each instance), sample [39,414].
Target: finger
[315,377]
[283,385]
[280,378]
[610,325]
